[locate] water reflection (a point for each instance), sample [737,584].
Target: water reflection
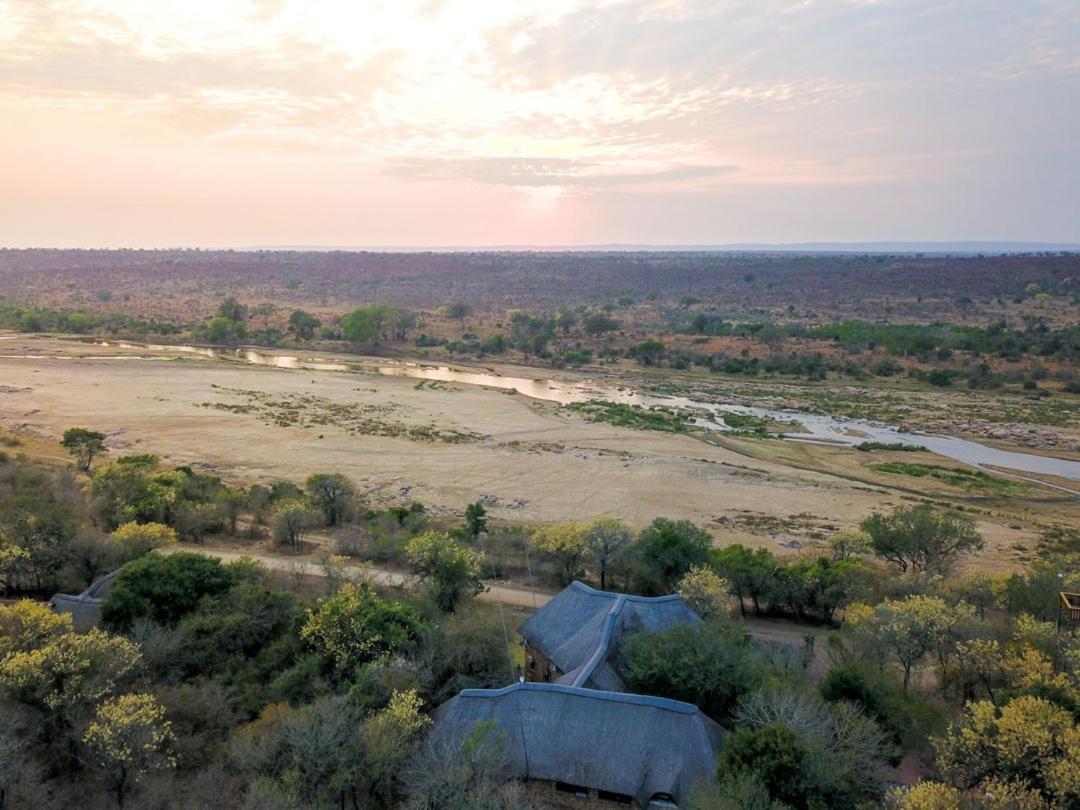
[804,426]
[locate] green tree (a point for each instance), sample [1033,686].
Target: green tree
[606,540]
[1029,741]
[164,588]
[648,352]
[922,539]
[707,665]
[907,629]
[84,445]
[303,324]
[374,323]
[564,544]
[141,538]
[224,331]
[597,323]
[458,310]
[475,519]
[68,671]
[356,625]
[667,549]
[774,755]
[232,310]
[129,737]
[453,570]
[27,625]
[333,494]
[291,521]
[707,594]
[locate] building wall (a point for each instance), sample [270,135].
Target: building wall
[548,795]
[538,668]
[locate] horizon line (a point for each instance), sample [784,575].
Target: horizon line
[877,246]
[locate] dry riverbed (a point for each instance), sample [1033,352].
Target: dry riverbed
[448,444]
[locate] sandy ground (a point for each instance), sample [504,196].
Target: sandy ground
[536,462]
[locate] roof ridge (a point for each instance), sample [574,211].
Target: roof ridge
[605,640]
[653,701]
[577,584]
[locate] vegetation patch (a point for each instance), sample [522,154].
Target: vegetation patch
[892,447]
[307,411]
[667,420]
[957,476]
[746,423]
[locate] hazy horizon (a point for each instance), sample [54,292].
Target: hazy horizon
[441,123]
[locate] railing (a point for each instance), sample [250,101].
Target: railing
[1069,610]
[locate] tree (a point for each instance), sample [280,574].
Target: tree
[333,494]
[919,538]
[292,519]
[1029,741]
[194,519]
[141,538]
[84,445]
[68,670]
[564,544]
[164,588]
[356,625]
[846,762]
[451,772]
[231,503]
[908,629]
[128,737]
[707,594]
[818,586]
[452,569]
[771,753]
[849,543]
[388,737]
[648,352]
[667,549]
[222,330]
[373,323]
[475,519]
[707,665]
[606,539]
[229,629]
[458,310]
[232,310]
[27,625]
[597,323]
[739,791]
[303,324]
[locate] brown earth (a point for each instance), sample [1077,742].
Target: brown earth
[536,462]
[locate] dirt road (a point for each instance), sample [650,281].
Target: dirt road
[769,631]
[311,566]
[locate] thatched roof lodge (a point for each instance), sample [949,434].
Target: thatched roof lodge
[570,640]
[609,746]
[85,608]
[571,729]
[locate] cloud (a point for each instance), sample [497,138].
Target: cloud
[539,172]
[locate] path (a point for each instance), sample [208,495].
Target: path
[767,630]
[497,592]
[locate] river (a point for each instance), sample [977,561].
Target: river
[804,426]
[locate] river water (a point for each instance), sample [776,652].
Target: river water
[804,426]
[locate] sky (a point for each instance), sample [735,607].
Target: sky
[232,123]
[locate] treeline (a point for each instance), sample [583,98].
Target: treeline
[923,341]
[25,318]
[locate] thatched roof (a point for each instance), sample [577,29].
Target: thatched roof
[581,627]
[631,744]
[85,609]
